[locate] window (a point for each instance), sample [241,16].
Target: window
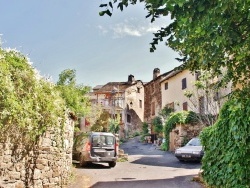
[202,105]
[153,108]
[138,90]
[98,140]
[140,103]
[184,83]
[185,106]
[166,85]
[128,118]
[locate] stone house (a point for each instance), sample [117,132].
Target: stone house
[125,99]
[153,97]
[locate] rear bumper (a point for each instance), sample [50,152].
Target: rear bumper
[189,157]
[101,159]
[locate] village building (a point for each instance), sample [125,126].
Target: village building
[125,99]
[173,86]
[153,98]
[177,83]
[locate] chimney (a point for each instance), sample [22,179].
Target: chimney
[131,79]
[156,73]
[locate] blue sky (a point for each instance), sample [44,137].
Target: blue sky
[63,34]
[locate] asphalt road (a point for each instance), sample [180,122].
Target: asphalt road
[147,167]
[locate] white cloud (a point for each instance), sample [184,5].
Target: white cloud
[102,29]
[123,29]
[131,27]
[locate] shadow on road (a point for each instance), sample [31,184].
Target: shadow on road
[175,182]
[150,154]
[164,161]
[93,166]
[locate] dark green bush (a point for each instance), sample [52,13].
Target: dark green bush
[144,128]
[226,162]
[157,125]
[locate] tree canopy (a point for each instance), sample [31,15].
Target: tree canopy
[207,34]
[73,94]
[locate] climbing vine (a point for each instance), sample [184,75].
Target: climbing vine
[227,145]
[183,117]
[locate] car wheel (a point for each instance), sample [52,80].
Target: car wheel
[112,164]
[83,163]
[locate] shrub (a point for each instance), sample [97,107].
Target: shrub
[227,145]
[144,128]
[157,125]
[182,117]
[29,105]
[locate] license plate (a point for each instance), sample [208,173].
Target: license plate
[99,150]
[186,156]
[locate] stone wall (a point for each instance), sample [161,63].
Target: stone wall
[46,165]
[182,133]
[152,96]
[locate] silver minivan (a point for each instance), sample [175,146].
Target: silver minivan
[95,147]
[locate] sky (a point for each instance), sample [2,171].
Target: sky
[63,34]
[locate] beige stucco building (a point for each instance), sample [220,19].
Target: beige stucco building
[203,101]
[173,86]
[125,99]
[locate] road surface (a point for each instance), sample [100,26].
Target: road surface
[147,167]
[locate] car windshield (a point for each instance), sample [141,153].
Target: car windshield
[194,142]
[103,140]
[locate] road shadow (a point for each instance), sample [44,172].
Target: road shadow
[92,166]
[150,154]
[166,162]
[176,182]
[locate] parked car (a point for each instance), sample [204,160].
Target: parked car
[192,151]
[95,147]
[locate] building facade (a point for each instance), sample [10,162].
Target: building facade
[181,92]
[125,99]
[153,97]
[173,86]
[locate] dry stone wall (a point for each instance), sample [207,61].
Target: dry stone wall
[183,133]
[46,165]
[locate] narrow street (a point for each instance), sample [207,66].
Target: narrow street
[147,167]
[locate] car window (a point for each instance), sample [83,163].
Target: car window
[103,140]
[194,142]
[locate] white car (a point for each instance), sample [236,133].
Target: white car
[192,151]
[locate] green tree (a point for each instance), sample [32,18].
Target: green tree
[114,124]
[157,125]
[208,35]
[165,112]
[73,94]
[213,36]
[29,104]
[101,125]
[206,97]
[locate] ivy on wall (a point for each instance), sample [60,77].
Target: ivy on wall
[226,162]
[182,117]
